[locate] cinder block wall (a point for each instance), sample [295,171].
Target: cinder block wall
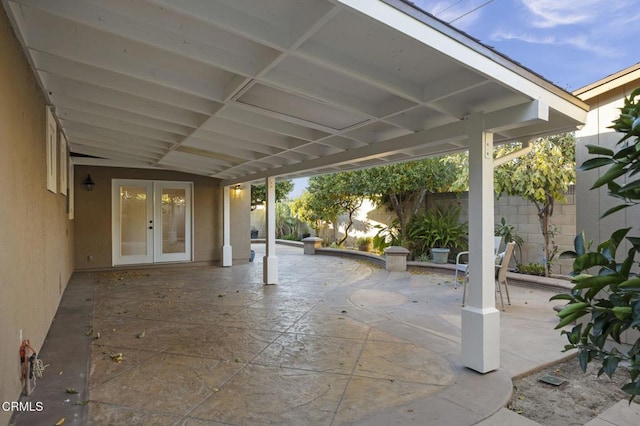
[523,215]
[518,212]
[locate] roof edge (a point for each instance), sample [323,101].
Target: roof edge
[608,79]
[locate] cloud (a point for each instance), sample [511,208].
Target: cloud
[553,13]
[579,41]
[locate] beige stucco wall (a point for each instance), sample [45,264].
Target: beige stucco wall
[93,215]
[36,259]
[591,204]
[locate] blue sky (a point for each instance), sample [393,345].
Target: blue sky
[571,43]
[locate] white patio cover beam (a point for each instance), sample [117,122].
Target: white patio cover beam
[456,132]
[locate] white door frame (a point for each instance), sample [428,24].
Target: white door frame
[154,244]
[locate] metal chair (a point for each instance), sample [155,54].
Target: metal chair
[462,259]
[501,275]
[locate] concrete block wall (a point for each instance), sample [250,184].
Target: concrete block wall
[522,214]
[517,211]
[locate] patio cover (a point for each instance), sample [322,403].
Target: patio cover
[245,90]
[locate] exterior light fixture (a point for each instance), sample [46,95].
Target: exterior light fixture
[88,183]
[237,189]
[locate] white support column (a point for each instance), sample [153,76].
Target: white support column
[480,318]
[270,261]
[227,251]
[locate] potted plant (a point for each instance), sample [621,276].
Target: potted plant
[438,232]
[364,243]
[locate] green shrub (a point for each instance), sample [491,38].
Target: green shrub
[531,269]
[438,228]
[605,301]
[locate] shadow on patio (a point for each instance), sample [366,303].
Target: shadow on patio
[338,341]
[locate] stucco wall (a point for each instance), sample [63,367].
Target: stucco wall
[93,216]
[36,259]
[604,109]
[591,204]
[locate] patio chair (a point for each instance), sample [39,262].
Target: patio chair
[502,266]
[462,259]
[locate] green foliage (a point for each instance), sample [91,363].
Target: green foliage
[509,233]
[329,196]
[386,236]
[531,269]
[363,241]
[606,295]
[543,177]
[610,301]
[302,209]
[285,223]
[258,195]
[438,228]
[403,187]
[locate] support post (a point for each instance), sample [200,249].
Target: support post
[480,318]
[270,261]
[227,251]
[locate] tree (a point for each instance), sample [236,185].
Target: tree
[403,187]
[612,296]
[302,210]
[330,196]
[258,195]
[543,176]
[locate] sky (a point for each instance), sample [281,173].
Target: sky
[571,43]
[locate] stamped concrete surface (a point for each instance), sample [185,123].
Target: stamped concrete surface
[337,341]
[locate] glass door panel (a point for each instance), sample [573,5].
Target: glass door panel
[173,219]
[133,222]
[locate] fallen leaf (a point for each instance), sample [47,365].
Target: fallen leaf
[60,422]
[141,335]
[72,391]
[116,357]
[85,402]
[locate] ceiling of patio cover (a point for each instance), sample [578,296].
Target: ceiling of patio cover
[244,89]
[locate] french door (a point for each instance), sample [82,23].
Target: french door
[151,221]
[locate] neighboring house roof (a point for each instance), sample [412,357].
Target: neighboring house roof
[242,90]
[609,83]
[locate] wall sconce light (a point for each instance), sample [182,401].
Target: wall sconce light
[237,190]
[88,183]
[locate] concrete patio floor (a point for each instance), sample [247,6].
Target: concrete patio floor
[337,341]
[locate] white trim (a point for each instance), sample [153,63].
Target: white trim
[52,151]
[64,162]
[71,198]
[154,224]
